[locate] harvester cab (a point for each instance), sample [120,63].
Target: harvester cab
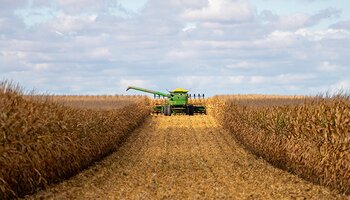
[176,101]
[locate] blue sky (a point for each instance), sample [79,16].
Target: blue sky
[207,46]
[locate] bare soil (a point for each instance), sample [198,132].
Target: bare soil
[183,157]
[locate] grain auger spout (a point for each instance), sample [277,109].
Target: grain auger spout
[177,101]
[149,91]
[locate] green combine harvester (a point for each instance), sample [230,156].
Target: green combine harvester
[177,101]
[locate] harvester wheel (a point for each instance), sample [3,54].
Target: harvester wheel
[167,110]
[189,109]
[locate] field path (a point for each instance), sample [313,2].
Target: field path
[181,157]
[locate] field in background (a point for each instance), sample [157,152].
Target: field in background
[102,102]
[46,139]
[309,136]
[93,102]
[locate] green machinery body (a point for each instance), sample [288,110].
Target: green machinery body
[177,101]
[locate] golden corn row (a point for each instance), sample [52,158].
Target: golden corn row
[307,136]
[43,142]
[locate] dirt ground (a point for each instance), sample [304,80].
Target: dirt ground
[184,157]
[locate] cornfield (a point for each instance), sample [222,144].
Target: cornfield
[103,102]
[308,136]
[48,139]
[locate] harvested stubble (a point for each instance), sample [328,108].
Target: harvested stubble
[306,136]
[43,142]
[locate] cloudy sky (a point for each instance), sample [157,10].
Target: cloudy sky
[207,46]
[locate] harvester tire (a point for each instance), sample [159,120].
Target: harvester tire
[189,109]
[167,110]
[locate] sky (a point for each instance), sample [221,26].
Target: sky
[206,46]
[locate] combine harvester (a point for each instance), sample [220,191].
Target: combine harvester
[177,101]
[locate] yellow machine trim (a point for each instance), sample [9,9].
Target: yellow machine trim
[179,90]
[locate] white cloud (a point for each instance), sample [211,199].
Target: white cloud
[32,16]
[236,79]
[327,66]
[257,79]
[189,27]
[65,23]
[73,3]
[335,88]
[124,83]
[341,25]
[218,46]
[295,21]
[14,55]
[194,82]
[241,64]
[342,85]
[280,79]
[316,35]
[41,66]
[100,53]
[222,10]
[76,6]
[280,39]
[59,33]
[180,54]
[293,78]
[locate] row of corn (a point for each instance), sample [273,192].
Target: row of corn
[307,136]
[43,142]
